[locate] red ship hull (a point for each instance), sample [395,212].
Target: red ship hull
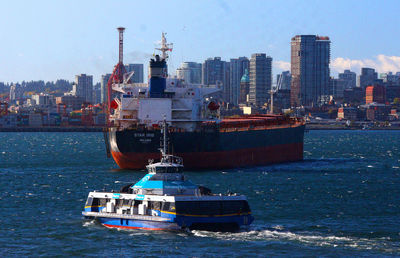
[238,142]
[221,159]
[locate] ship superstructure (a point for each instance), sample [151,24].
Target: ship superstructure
[184,105]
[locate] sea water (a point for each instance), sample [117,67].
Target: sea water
[342,200]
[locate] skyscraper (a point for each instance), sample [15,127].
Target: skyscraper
[84,87]
[216,72]
[367,77]
[349,78]
[237,69]
[103,87]
[260,78]
[190,72]
[138,72]
[310,58]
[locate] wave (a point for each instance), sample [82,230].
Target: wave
[262,233]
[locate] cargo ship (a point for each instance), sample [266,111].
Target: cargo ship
[197,132]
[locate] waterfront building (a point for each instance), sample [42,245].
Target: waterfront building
[260,79]
[84,87]
[244,87]
[349,78]
[353,96]
[137,70]
[69,101]
[376,111]
[42,99]
[310,58]
[368,77]
[376,94]
[190,72]
[103,86]
[348,113]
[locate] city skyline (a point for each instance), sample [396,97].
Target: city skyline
[50,40]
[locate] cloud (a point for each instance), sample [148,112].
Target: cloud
[282,65]
[381,64]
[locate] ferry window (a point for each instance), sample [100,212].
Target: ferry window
[168,206]
[165,206]
[103,201]
[161,170]
[199,208]
[156,206]
[89,201]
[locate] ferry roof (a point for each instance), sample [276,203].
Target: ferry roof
[146,183]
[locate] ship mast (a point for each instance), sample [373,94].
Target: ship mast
[165,47]
[164,139]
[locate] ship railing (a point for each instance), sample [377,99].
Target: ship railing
[173,159]
[260,127]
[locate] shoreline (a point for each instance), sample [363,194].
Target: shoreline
[343,127]
[51,129]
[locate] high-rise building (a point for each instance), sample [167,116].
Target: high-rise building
[349,78]
[260,78]
[137,76]
[237,67]
[190,72]
[84,87]
[16,92]
[367,77]
[390,78]
[216,72]
[310,58]
[337,87]
[103,87]
[283,80]
[96,93]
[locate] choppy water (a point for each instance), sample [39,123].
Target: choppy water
[343,200]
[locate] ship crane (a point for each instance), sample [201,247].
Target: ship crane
[117,77]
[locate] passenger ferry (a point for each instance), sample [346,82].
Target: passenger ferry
[165,199]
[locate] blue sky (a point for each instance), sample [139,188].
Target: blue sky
[58,39]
